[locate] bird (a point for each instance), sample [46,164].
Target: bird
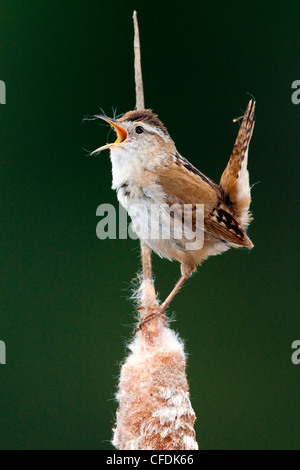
[148,172]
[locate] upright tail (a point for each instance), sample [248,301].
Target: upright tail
[234,181]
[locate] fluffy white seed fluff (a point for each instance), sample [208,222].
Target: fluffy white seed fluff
[155,411]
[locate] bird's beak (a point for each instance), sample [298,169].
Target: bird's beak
[122,134]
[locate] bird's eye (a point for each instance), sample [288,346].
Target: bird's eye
[139,129]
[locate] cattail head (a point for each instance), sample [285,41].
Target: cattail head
[154,411]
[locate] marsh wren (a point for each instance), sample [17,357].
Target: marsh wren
[148,171]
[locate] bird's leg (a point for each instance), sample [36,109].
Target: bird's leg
[163,307]
[186,271]
[185,274]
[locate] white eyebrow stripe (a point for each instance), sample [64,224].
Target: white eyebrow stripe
[155,130]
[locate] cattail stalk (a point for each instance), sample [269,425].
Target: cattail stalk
[154,410]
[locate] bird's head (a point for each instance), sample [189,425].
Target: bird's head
[140,134]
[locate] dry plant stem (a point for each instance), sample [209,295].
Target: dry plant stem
[148,302]
[139,90]
[154,410]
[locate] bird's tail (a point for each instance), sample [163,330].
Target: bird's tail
[235,178]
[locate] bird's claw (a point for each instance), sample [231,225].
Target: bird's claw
[156,312]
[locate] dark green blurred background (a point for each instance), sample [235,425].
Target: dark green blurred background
[65,310]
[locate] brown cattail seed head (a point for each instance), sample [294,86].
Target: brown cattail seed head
[154,411]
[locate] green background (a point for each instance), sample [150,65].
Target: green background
[65,313]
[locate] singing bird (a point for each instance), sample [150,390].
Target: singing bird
[148,172]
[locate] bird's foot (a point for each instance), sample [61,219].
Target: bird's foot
[160,311]
[156,312]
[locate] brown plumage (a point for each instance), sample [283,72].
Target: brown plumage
[144,115]
[235,179]
[148,170]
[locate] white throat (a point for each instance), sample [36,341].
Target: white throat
[128,165]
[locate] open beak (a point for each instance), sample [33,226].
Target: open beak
[122,134]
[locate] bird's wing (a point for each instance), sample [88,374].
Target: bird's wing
[185,186]
[224,225]
[235,179]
